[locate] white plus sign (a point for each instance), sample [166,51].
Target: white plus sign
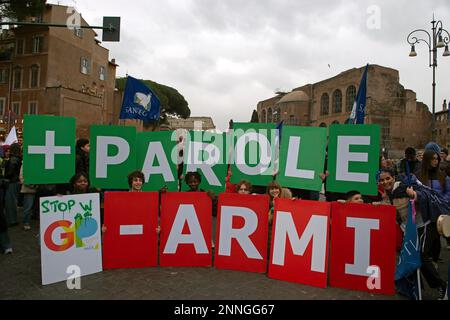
[49,150]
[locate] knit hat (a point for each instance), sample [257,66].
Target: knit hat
[433,146]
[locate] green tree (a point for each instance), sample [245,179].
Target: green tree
[18,10]
[254,117]
[172,102]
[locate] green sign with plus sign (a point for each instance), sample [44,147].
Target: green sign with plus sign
[49,149]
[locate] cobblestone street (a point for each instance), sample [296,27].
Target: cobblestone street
[21,279]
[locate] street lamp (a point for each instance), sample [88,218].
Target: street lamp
[438,39]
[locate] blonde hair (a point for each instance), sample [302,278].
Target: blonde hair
[286,193]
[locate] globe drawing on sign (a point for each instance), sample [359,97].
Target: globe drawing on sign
[86,225]
[143,99]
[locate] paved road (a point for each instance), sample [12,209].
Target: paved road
[20,275]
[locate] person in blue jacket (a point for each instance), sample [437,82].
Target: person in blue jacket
[431,176]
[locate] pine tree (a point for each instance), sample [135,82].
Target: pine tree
[18,10]
[254,117]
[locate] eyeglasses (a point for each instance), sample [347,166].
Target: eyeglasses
[245,189]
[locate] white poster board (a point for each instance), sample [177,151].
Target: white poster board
[70,236]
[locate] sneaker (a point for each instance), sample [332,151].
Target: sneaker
[26,227]
[8,251]
[443,292]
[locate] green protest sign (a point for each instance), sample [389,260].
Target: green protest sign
[155,160]
[253,153]
[205,152]
[302,157]
[353,155]
[49,149]
[112,156]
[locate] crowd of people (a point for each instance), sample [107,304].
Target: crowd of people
[418,175]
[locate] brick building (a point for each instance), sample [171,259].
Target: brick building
[403,120]
[55,71]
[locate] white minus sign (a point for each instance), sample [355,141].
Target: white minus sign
[129,230]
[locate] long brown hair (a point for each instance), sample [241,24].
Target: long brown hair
[424,175]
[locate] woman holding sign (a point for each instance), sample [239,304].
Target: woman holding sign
[398,194]
[193,180]
[274,190]
[79,183]
[431,176]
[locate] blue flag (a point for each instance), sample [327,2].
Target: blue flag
[359,106]
[409,260]
[139,102]
[279,128]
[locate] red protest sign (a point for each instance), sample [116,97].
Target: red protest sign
[130,240]
[242,228]
[363,247]
[300,242]
[186,228]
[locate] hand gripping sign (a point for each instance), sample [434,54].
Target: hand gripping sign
[300,242]
[242,228]
[363,247]
[186,227]
[130,239]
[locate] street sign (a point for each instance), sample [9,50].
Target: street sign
[111,29]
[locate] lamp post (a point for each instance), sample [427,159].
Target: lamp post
[438,39]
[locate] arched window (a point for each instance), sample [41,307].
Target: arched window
[337,101]
[324,104]
[276,115]
[350,98]
[263,116]
[335,122]
[269,115]
[323,124]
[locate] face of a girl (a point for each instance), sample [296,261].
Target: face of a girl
[136,184]
[434,160]
[243,189]
[193,183]
[274,192]
[386,181]
[81,184]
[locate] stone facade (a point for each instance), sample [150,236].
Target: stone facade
[443,127]
[204,123]
[403,120]
[56,71]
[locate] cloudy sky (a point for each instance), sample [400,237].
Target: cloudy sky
[224,56]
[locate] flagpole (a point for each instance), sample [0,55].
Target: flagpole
[418,283]
[9,119]
[122,121]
